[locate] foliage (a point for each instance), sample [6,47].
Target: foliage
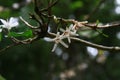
[35,61]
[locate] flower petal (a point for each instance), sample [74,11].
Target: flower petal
[13,22]
[48,39]
[69,39]
[64,44]
[54,47]
[92,51]
[0,30]
[4,22]
[62,30]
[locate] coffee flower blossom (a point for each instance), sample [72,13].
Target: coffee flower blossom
[66,34]
[69,32]
[58,39]
[9,24]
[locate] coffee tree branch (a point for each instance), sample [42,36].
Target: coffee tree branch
[45,18]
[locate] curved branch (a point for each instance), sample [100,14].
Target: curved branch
[7,47]
[116,48]
[95,26]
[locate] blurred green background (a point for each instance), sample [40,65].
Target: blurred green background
[36,61]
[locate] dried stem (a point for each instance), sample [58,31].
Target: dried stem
[30,26]
[7,47]
[96,45]
[42,30]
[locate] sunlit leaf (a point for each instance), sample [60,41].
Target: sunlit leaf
[100,52]
[14,34]
[76,4]
[2,78]
[27,33]
[99,31]
[97,22]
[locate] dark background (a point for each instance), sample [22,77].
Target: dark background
[36,61]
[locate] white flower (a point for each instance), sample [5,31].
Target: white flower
[57,40]
[78,25]
[8,24]
[69,32]
[92,51]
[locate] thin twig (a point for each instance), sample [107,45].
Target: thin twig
[30,26]
[26,41]
[85,23]
[19,42]
[115,48]
[96,45]
[94,26]
[7,47]
[41,33]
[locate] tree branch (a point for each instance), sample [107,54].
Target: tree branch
[96,45]
[7,47]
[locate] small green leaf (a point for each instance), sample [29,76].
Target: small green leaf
[97,22]
[27,34]
[56,20]
[76,4]
[14,34]
[2,78]
[100,52]
[102,33]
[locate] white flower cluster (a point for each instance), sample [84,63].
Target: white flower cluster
[66,34]
[9,24]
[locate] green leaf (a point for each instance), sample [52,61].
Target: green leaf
[2,78]
[76,4]
[99,31]
[100,52]
[27,34]
[97,22]
[102,33]
[14,34]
